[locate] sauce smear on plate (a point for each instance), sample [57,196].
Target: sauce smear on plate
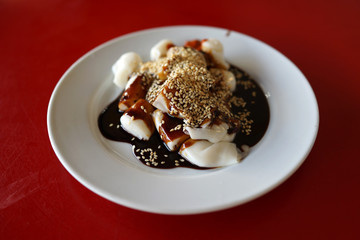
[155,154]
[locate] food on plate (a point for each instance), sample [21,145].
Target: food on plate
[186,107]
[127,63]
[206,154]
[137,120]
[170,130]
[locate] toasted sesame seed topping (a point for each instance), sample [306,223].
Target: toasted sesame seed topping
[237,101]
[148,155]
[190,88]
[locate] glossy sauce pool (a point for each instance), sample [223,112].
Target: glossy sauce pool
[247,88]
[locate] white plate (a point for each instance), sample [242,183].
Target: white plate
[109,168]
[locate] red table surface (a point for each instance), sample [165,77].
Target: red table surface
[40,39]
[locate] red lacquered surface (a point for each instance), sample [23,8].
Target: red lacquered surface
[40,39]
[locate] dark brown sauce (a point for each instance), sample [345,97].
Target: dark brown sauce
[188,143]
[257,105]
[136,111]
[134,92]
[171,124]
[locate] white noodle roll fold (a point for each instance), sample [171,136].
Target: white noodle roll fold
[127,64]
[160,49]
[206,154]
[137,120]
